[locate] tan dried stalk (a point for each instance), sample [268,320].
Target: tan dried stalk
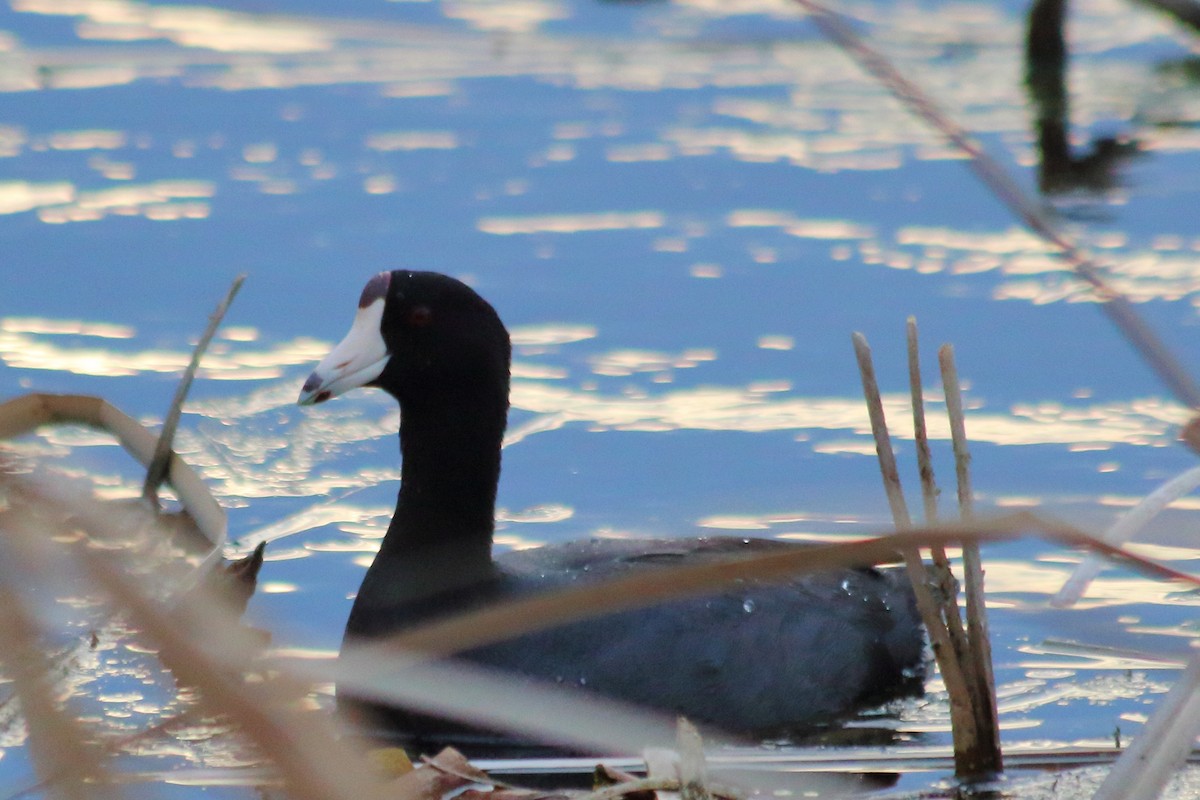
[501,622]
[947,586]
[951,647]
[983,682]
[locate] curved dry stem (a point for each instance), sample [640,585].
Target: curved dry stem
[516,618]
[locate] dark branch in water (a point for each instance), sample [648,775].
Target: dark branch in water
[156,473]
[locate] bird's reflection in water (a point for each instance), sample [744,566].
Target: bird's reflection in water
[1097,169]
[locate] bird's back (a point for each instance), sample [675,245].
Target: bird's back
[762,659]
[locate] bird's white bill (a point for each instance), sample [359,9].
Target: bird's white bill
[358,359]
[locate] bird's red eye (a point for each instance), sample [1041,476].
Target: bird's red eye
[420,316]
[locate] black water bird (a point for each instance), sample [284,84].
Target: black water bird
[764,659]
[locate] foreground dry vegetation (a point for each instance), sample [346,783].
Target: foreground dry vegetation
[161,574]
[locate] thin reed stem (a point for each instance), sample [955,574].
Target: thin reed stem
[156,473]
[929,490]
[980,676]
[883,442]
[1112,302]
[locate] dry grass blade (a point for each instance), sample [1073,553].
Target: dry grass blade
[452,762]
[446,772]
[1123,530]
[313,763]
[157,471]
[647,786]
[70,767]
[519,617]
[693,772]
[638,786]
[504,702]
[488,698]
[1115,305]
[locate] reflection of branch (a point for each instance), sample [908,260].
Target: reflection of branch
[1114,304]
[1045,79]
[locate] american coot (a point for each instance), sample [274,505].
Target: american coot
[763,660]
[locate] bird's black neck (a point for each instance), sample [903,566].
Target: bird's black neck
[451,466]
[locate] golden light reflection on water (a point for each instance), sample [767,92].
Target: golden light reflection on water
[22,348]
[188,26]
[246,464]
[527,337]
[573,223]
[1026,584]
[832,120]
[412,140]
[17,197]
[1143,423]
[40,325]
[619,363]
[62,202]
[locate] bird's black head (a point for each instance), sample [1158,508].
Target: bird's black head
[425,338]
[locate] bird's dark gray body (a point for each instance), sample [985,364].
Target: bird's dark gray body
[757,659]
[760,660]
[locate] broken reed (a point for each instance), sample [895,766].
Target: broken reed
[963,653]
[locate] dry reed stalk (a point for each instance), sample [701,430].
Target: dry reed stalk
[951,648]
[969,740]
[512,619]
[157,471]
[929,490]
[987,758]
[944,576]
[883,443]
[1113,303]
[1124,529]
[972,563]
